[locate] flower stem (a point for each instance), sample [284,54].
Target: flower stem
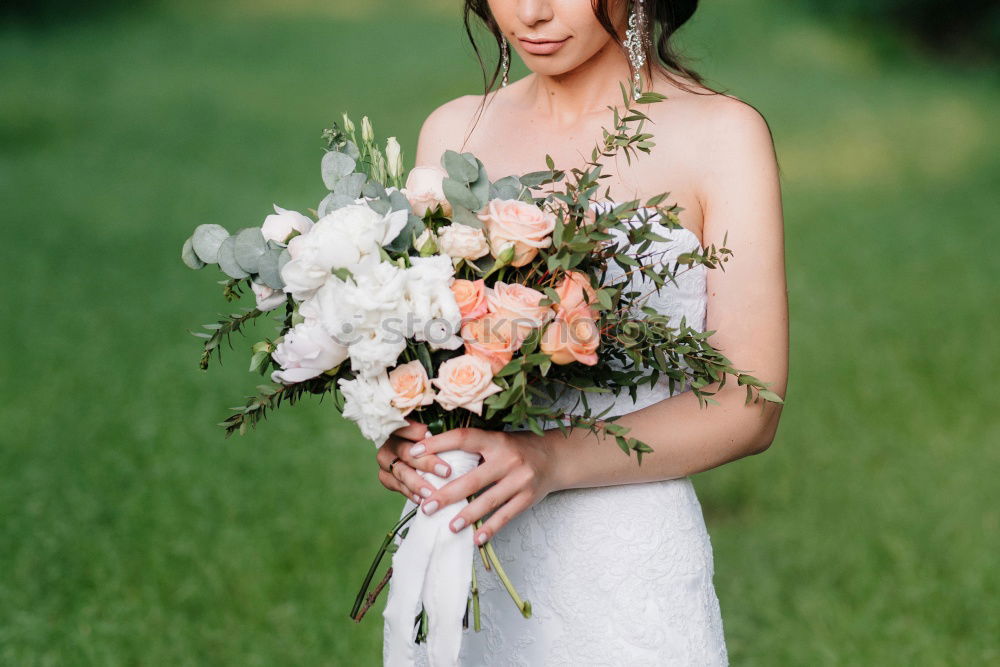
[475,599]
[523,605]
[359,600]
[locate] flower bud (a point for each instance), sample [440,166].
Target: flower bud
[348,125]
[394,158]
[426,243]
[367,133]
[506,254]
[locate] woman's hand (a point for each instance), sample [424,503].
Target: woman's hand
[520,464]
[404,476]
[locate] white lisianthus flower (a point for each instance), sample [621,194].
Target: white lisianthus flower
[305,352]
[368,403]
[282,223]
[267,298]
[462,242]
[368,313]
[434,314]
[375,351]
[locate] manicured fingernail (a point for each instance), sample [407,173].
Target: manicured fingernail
[481,538]
[417,450]
[427,492]
[442,470]
[430,507]
[458,524]
[428,435]
[416,498]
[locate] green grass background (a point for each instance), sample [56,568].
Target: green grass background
[132,533]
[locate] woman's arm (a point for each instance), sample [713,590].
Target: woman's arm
[747,306]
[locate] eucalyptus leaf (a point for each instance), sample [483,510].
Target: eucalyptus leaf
[189,257]
[206,241]
[464,216]
[381,206]
[458,167]
[459,194]
[399,201]
[402,243]
[350,186]
[332,202]
[373,189]
[227,259]
[250,245]
[335,165]
[535,178]
[508,187]
[268,269]
[351,149]
[481,187]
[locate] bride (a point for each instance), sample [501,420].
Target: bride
[614,556]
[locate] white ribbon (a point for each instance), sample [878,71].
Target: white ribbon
[433,565]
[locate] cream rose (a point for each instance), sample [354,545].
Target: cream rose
[572,336]
[520,305]
[470,295]
[511,221]
[425,190]
[267,297]
[305,352]
[464,382]
[412,387]
[575,292]
[462,242]
[491,338]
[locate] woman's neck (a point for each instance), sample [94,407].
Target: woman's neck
[588,89]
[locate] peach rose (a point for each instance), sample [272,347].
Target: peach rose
[491,338]
[471,298]
[411,386]
[575,292]
[425,190]
[511,221]
[572,336]
[464,382]
[520,305]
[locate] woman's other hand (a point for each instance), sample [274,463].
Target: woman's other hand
[519,465]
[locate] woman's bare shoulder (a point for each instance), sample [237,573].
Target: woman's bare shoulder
[446,128]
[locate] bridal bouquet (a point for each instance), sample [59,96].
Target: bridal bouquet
[447,297]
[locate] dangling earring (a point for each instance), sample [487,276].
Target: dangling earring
[505,61]
[635,44]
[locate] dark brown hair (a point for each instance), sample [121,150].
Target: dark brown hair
[665,17]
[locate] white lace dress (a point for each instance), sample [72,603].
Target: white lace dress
[616,575]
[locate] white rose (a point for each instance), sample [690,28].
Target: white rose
[462,242]
[425,190]
[368,403]
[305,352]
[280,225]
[267,297]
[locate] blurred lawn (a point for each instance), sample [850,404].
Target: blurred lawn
[132,533]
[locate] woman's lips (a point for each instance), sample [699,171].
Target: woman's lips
[541,47]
